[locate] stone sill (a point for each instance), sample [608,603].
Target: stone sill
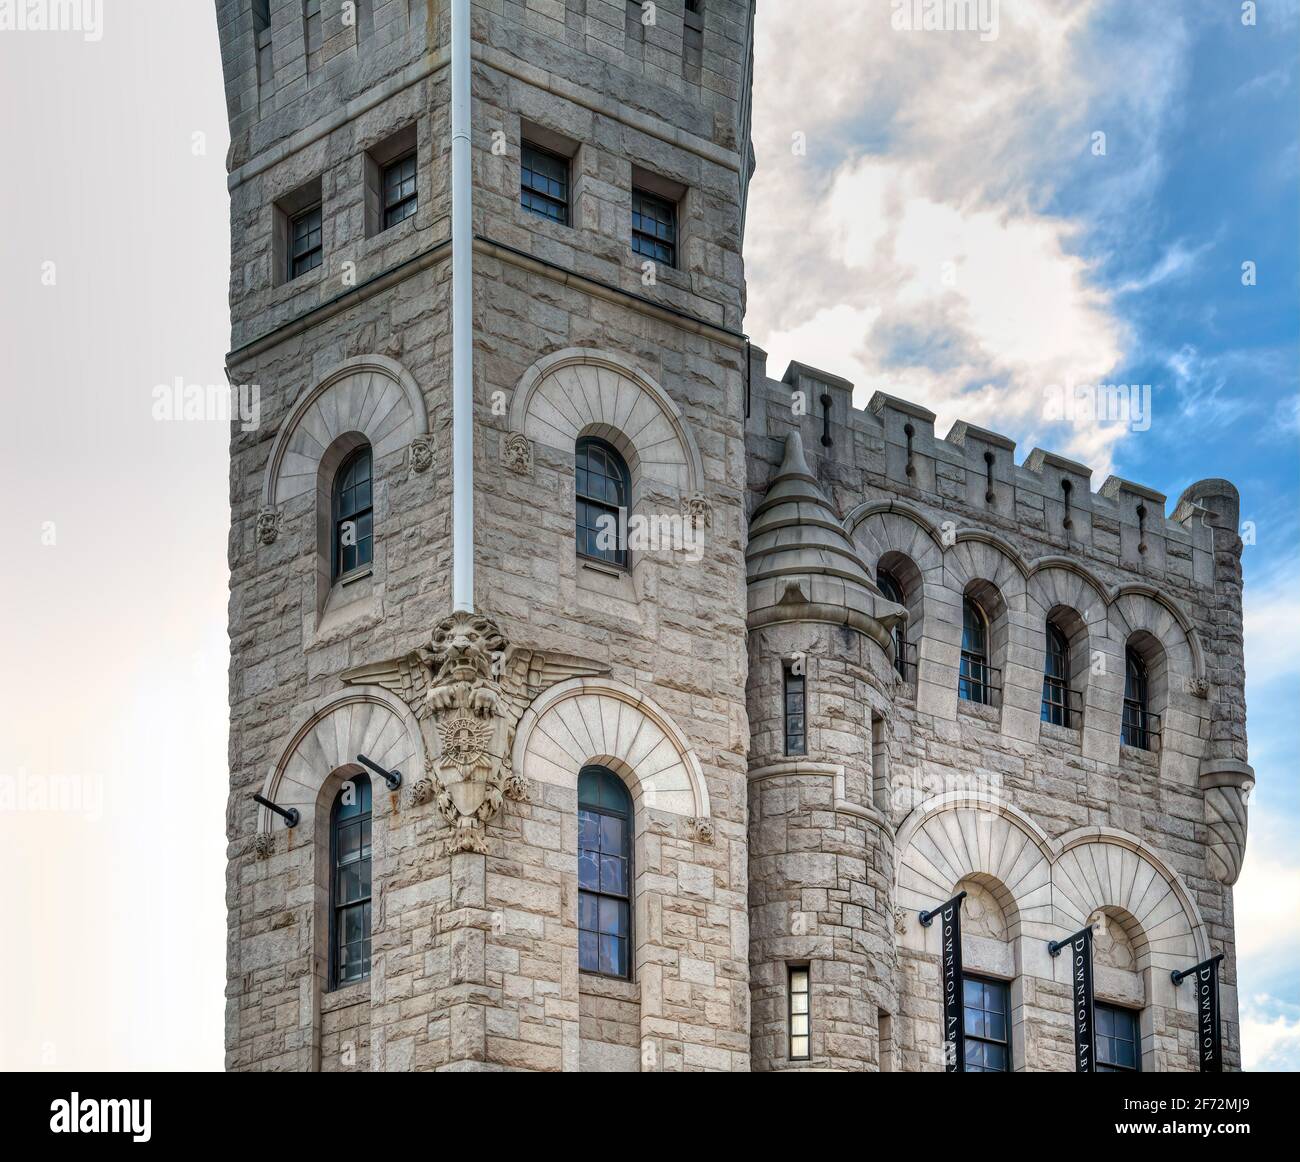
[591,984]
[357,993]
[1063,734]
[980,710]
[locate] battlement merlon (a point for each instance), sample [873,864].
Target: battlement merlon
[891,445]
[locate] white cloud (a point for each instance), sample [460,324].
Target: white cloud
[1271,618]
[1270,1039]
[922,261]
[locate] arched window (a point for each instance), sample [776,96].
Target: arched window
[602,489]
[893,591]
[975,677]
[1137,725]
[353,515]
[1056,677]
[350,883]
[604,873]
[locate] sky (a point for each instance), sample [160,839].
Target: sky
[942,228]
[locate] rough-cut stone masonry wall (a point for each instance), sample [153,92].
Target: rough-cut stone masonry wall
[1123,571]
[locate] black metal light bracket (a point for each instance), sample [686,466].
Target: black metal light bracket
[1179,975]
[927,918]
[392,778]
[290,815]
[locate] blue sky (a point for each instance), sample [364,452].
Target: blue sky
[967,246]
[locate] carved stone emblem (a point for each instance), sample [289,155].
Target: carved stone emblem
[468,688]
[703,829]
[697,509]
[268,525]
[900,921]
[517,453]
[1198,687]
[421,453]
[263,845]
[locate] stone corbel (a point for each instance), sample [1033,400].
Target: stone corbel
[1198,687]
[697,510]
[1226,785]
[702,829]
[517,453]
[263,844]
[268,525]
[421,453]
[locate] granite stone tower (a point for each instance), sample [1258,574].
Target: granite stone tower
[752,676]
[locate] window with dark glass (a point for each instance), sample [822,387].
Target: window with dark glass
[601,486]
[893,591]
[796,705]
[974,680]
[1056,678]
[262,39]
[1136,727]
[400,200]
[654,227]
[305,242]
[604,873]
[353,515]
[1118,1040]
[987,1025]
[350,882]
[800,993]
[544,184]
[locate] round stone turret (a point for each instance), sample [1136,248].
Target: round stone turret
[820,699]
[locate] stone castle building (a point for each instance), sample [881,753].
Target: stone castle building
[671,800]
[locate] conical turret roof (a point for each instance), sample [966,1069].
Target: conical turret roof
[801,564]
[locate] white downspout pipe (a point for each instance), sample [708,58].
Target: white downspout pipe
[462,316]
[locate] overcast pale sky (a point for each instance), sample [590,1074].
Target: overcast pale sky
[960,242]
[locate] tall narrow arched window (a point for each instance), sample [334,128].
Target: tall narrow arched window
[893,591]
[602,488]
[604,873]
[1136,729]
[1056,677]
[350,882]
[974,683]
[352,515]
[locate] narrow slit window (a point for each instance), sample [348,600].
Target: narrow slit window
[800,994]
[796,706]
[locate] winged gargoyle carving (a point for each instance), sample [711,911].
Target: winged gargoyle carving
[468,688]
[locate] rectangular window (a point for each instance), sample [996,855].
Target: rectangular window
[693,40]
[544,184]
[400,200]
[311,32]
[305,242]
[654,227]
[800,994]
[1118,1041]
[796,718]
[986,1008]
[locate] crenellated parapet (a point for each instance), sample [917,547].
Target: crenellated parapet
[973,477]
